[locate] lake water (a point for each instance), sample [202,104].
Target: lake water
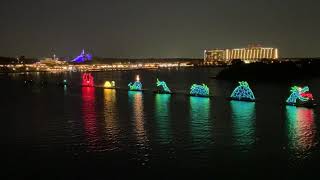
[93,133]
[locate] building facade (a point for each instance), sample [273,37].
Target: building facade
[250,54]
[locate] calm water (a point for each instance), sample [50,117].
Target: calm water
[79,132]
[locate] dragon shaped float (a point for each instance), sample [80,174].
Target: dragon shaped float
[242,92]
[300,97]
[87,80]
[199,90]
[162,88]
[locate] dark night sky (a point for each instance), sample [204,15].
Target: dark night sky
[147,28]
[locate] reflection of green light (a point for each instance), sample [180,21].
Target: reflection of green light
[200,112]
[243,115]
[162,102]
[292,124]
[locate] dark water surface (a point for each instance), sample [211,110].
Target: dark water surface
[91,133]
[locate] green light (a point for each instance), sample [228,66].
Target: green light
[199,90]
[243,115]
[162,116]
[164,87]
[243,92]
[200,127]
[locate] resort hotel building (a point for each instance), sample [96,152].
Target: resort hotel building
[248,55]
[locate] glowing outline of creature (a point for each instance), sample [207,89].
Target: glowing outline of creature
[199,90]
[164,86]
[242,91]
[136,86]
[299,93]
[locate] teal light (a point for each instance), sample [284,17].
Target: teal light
[243,116]
[162,117]
[243,92]
[136,86]
[163,86]
[199,90]
[200,126]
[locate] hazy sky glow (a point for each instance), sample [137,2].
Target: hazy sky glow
[149,28]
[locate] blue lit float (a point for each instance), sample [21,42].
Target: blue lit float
[136,86]
[199,90]
[162,88]
[300,97]
[242,93]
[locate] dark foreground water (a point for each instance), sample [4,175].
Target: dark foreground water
[91,133]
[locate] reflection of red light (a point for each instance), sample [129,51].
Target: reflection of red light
[87,80]
[307,95]
[305,128]
[89,116]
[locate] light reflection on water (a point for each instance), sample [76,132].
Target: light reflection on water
[301,130]
[138,117]
[162,102]
[243,116]
[111,118]
[200,128]
[90,118]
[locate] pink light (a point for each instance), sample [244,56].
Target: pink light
[87,80]
[307,95]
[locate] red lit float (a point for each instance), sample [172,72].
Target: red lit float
[87,80]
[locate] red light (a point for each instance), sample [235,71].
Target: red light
[307,95]
[87,80]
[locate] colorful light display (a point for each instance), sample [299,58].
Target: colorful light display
[300,97]
[301,130]
[136,86]
[109,84]
[242,92]
[163,88]
[199,90]
[82,57]
[87,80]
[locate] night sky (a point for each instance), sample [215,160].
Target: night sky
[148,28]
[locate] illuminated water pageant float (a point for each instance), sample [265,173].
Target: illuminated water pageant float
[300,97]
[136,86]
[109,85]
[162,88]
[242,93]
[199,90]
[87,80]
